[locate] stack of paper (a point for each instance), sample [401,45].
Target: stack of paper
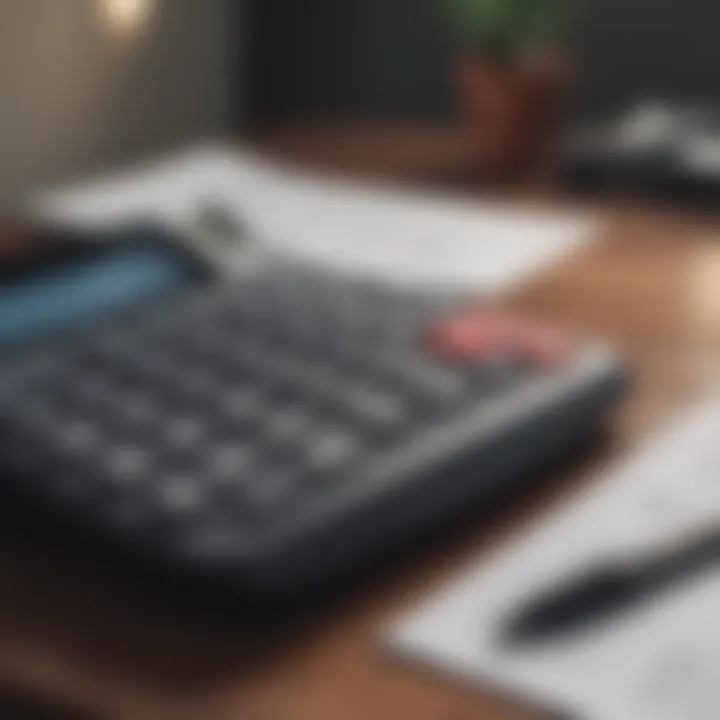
[381,231]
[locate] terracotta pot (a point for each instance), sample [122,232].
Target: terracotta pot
[510,112]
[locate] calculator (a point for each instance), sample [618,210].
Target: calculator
[276,424]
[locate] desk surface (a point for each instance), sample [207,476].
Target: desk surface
[652,286]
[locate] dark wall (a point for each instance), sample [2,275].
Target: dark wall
[649,48]
[388,58]
[335,58]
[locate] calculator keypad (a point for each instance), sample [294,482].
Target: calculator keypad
[237,401]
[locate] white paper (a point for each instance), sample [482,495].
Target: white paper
[376,230]
[661,661]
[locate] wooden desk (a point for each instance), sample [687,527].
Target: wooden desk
[652,285]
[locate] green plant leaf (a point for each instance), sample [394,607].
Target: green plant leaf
[548,21]
[507,28]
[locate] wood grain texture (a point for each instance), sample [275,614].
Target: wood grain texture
[651,285]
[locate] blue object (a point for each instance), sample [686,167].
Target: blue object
[69,295]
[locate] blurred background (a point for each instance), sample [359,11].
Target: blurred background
[86,83]
[617,97]
[391,60]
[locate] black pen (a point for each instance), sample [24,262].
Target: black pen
[607,591]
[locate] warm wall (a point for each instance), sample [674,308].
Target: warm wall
[77,94]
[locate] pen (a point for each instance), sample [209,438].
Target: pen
[606,591]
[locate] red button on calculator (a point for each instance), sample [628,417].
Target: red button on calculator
[477,335]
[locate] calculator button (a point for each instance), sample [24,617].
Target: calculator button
[270,489]
[477,336]
[96,390]
[242,404]
[181,495]
[332,450]
[137,409]
[184,431]
[127,465]
[198,384]
[474,335]
[289,426]
[78,437]
[229,463]
[379,409]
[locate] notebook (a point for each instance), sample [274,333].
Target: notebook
[657,661]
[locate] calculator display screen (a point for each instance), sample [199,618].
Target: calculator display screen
[52,295]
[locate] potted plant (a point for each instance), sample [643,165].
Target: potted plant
[512,69]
